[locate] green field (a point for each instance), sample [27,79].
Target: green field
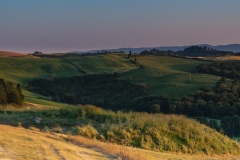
[103,64]
[170,75]
[23,69]
[162,75]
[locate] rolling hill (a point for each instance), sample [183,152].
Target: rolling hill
[11,54]
[51,146]
[228,47]
[162,75]
[172,76]
[22,144]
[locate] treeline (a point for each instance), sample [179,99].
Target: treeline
[111,92]
[158,52]
[229,69]
[220,101]
[229,125]
[196,51]
[192,51]
[71,54]
[10,93]
[105,90]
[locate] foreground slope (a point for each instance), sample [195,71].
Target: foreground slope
[157,132]
[21,144]
[17,143]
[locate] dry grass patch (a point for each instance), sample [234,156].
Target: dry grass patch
[17,143]
[130,153]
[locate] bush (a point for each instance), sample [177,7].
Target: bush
[88,131]
[155,108]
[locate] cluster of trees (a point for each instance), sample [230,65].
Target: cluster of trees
[158,52]
[109,91]
[192,51]
[105,90]
[10,93]
[229,125]
[222,100]
[196,51]
[71,54]
[229,69]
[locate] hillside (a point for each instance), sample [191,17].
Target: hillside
[54,146]
[25,68]
[22,144]
[162,75]
[11,54]
[171,76]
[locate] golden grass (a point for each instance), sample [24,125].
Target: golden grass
[17,143]
[129,153]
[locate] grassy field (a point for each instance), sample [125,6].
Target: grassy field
[171,76]
[22,144]
[23,69]
[163,75]
[103,64]
[18,143]
[156,132]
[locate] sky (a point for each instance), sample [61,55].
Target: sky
[80,25]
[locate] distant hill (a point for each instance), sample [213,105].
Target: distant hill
[10,54]
[201,51]
[229,47]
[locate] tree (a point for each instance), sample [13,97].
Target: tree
[155,108]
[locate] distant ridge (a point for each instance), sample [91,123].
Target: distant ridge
[230,47]
[11,54]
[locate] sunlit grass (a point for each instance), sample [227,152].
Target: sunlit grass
[28,144]
[170,76]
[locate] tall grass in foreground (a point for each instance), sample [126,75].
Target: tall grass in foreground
[157,132]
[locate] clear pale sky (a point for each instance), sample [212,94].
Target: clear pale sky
[77,25]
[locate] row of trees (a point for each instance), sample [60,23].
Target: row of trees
[222,100]
[106,90]
[192,51]
[229,69]
[229,125]
[10,93]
